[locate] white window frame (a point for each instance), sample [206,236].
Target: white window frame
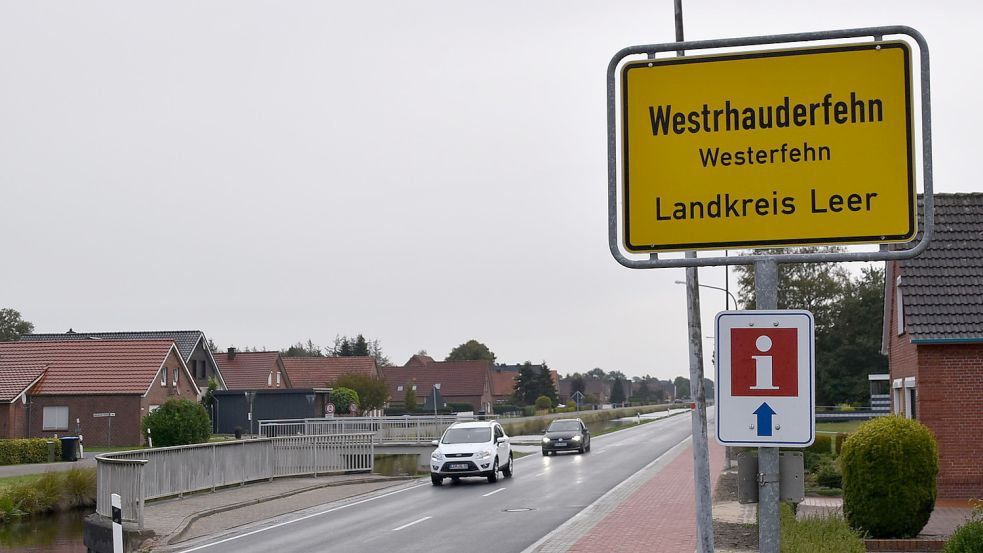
[278,379]
[177,375]
[399,388]
[163,376]
[153,408]
[269,379]
[899,304]
[909,391]
[52,417]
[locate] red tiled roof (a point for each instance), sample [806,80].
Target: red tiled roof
[249,370]
[320,372]
[15,376]
[92,366]
[456,378]
[503,382]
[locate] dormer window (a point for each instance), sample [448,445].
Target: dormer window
[278,379]
[269,379]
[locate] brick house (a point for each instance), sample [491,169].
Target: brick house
[252,370]
[16,378]
[933,337]
[460,382]
[320,373]
[503,380]
[83,378]
[192,344]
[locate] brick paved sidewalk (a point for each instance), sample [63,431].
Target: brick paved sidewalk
[654,510]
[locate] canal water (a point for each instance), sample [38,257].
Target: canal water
[56,533]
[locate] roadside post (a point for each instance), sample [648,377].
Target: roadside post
[109,431]
[117,523]
[766,148]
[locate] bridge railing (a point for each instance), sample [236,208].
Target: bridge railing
[141,475]
[384,429]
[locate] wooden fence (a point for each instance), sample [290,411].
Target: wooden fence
[141,475]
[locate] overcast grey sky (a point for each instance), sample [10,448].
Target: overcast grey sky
[421,172]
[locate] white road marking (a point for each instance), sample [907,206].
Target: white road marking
[540,474]
[494,492]
[265,528]
[411,524]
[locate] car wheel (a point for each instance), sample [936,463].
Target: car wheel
[580,449]
[493,475]
[588,446]
[546,453]
[436,480]
[507,471]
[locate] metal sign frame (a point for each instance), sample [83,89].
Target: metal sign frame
[885,254]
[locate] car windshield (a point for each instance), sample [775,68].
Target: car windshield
[466,435]
[564,426]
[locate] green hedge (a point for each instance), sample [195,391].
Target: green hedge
[967,538]
[823,444]
[17,452]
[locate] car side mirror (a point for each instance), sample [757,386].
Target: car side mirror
[435,443]
[501,440]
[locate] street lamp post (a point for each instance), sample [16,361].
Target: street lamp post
[436,387]
[727,298]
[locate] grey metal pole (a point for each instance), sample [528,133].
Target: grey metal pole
[701,449]
[769,534]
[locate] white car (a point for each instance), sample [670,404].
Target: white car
[471,449]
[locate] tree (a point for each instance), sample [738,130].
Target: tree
[208,398]
[596,372]
[310,349]
[360,348]
[409,399]
[12,327]
[372,392]
[531,383]
[375,350]
[682,386]
[342,347]
[470,351]
[211,346]
[577,383]
[617,390]
[342,398]
[177,421]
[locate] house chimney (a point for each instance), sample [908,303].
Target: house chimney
[232,353]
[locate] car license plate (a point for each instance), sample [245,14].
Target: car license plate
[458,466]
[561,443]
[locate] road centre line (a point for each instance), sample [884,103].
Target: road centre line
[494,492]
[271,527]
[397,529]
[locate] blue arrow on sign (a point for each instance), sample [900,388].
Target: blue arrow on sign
[764,413]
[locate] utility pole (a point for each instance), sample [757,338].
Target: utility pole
[769,538]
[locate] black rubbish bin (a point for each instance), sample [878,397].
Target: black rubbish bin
[70,448]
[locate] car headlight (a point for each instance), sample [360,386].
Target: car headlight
[482,455]
[437,456]
[546,440]
[576,438]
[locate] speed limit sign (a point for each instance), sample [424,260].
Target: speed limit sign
[329,408]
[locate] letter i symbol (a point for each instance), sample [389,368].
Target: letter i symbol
[762,365]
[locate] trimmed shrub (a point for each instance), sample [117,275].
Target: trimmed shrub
[460,407]
[15,452]
[501,408]
[889,468]
[343,398]
[178,422]
[543,403]
[823,444]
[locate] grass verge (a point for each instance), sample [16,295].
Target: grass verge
[819,534]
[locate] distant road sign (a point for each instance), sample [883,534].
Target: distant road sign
[765,384]
[769,148]
[329,408]
[103,415]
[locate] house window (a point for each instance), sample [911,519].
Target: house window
[55,418]
[909,398]
[399,388]
[278,379]
[899,300]
[154,408]
[163,376]
[177,374]
[269,379]
[414,387]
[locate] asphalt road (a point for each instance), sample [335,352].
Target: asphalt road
[472,516]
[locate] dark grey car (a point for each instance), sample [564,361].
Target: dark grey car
[566,435]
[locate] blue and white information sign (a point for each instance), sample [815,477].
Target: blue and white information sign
[766,378]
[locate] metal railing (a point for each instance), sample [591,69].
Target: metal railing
[141,475]
[384,429]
